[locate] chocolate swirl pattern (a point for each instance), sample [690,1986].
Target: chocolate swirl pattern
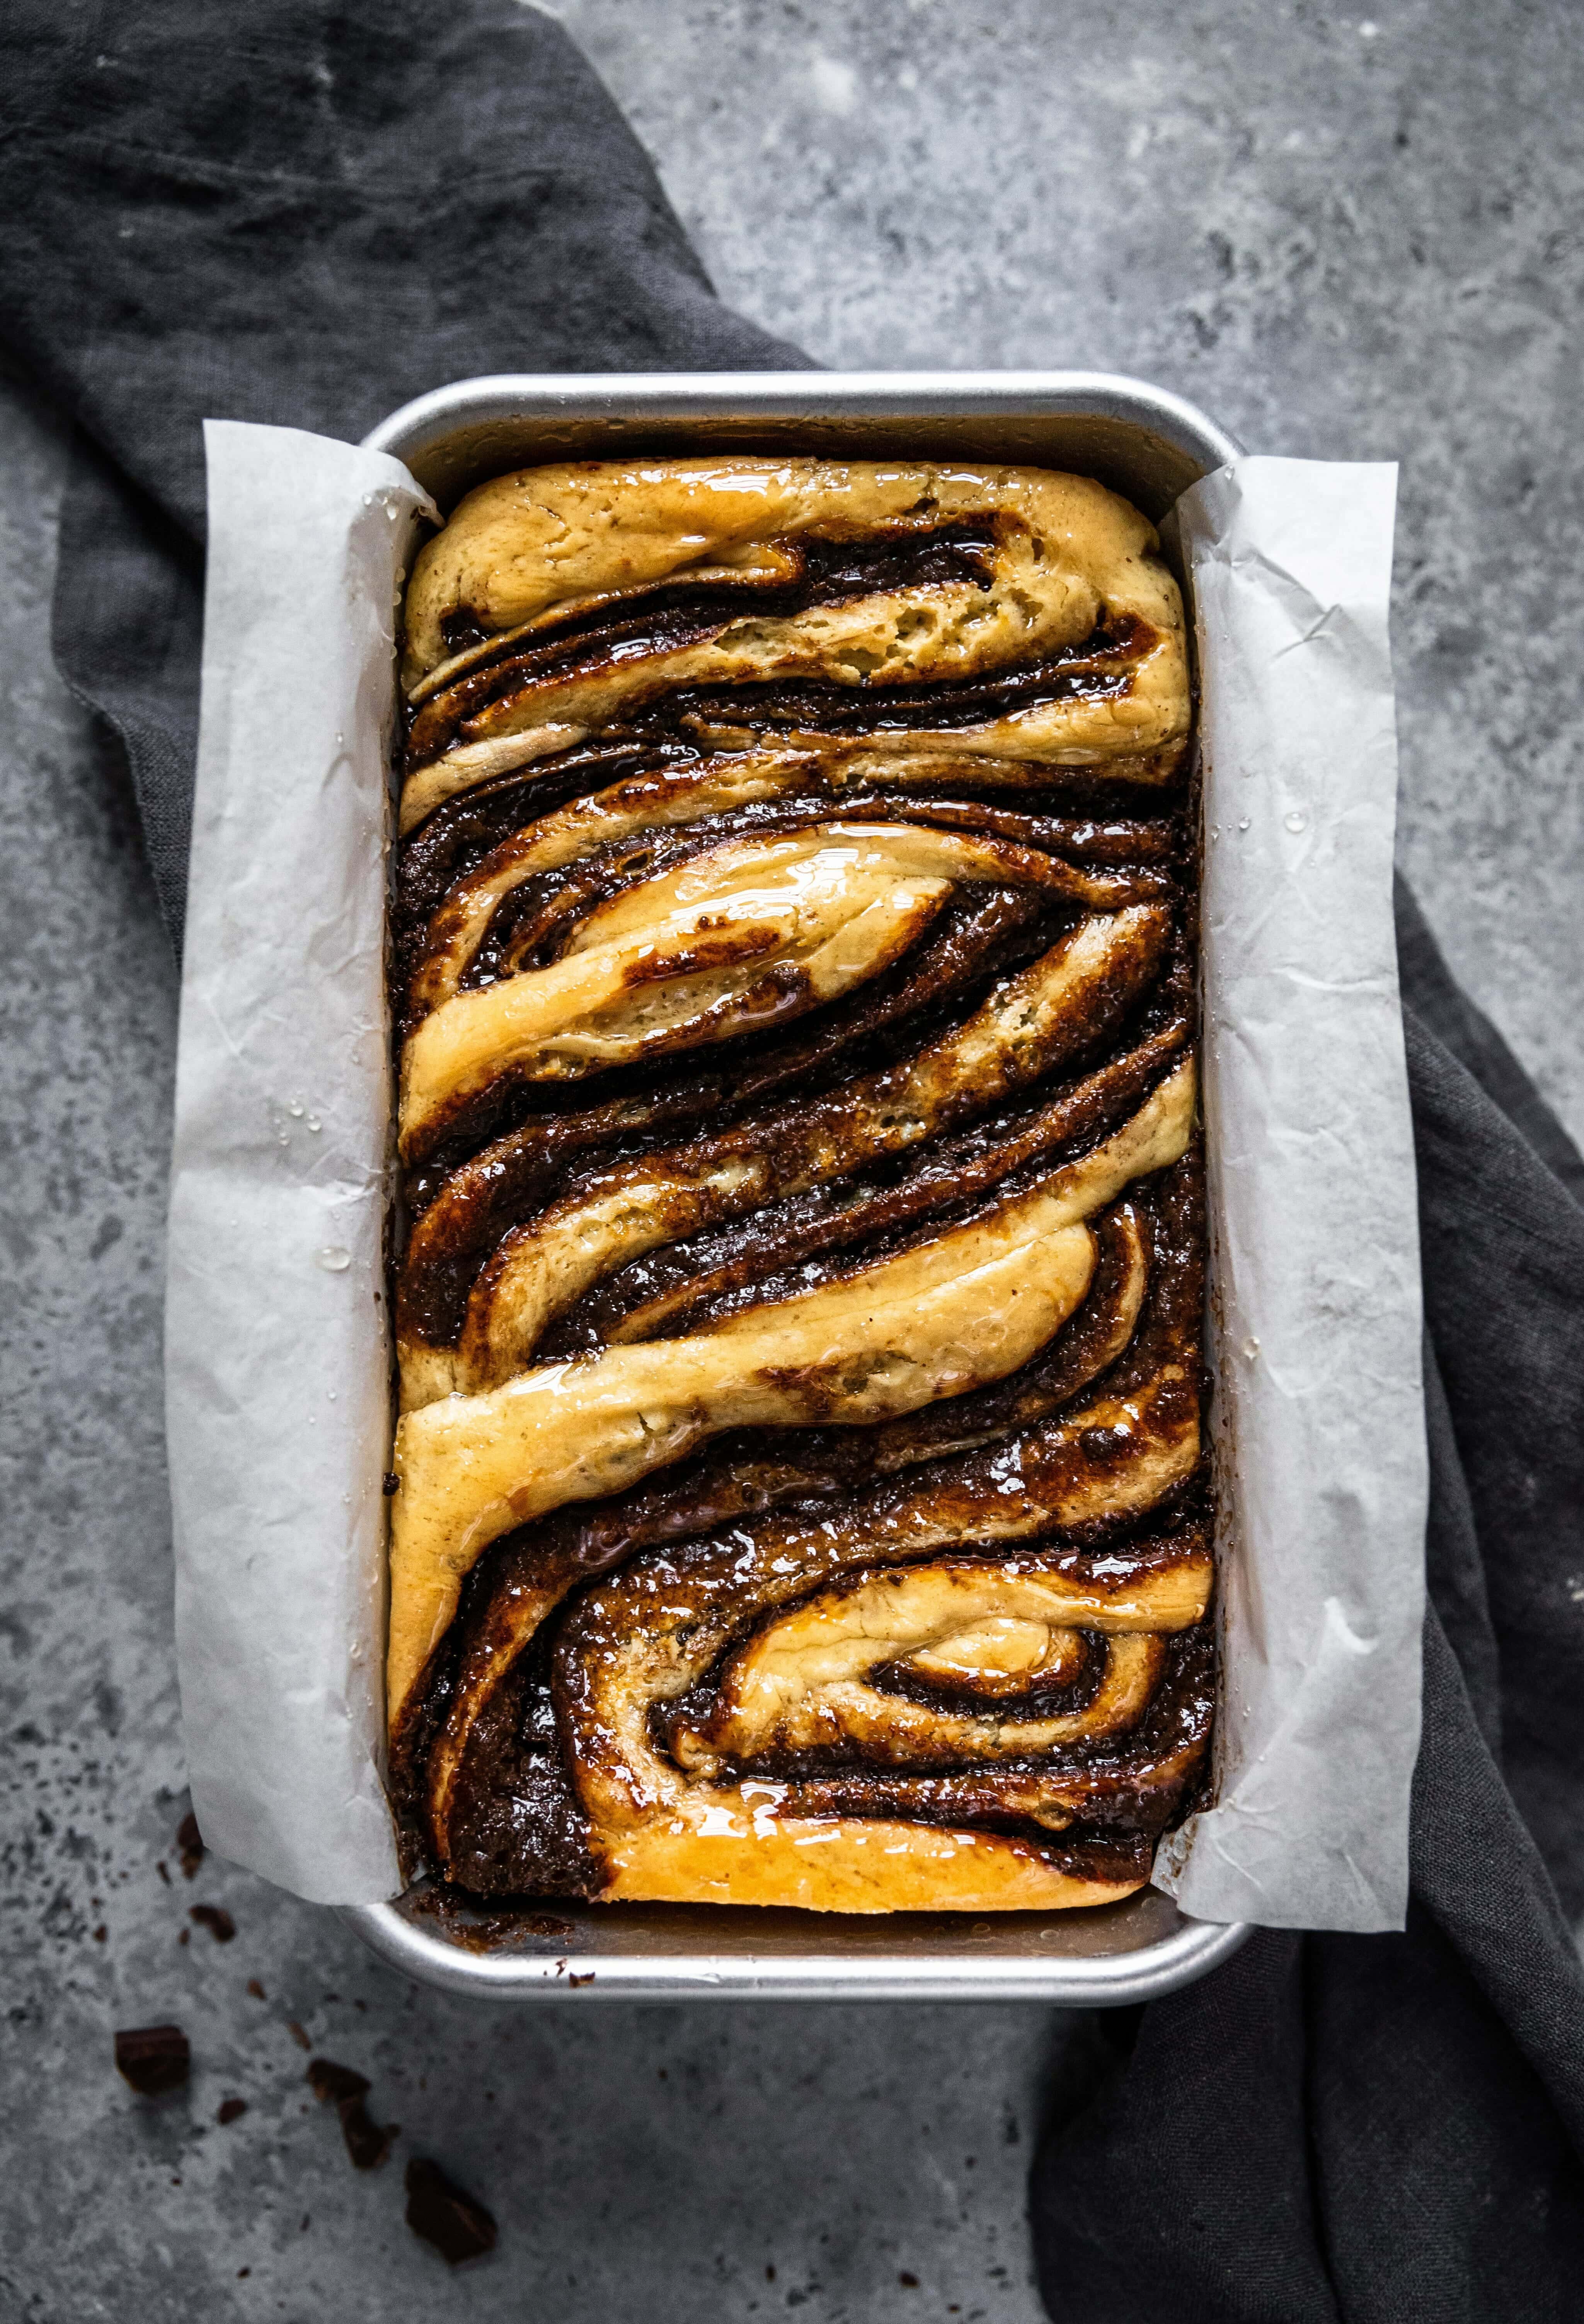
[800,1496]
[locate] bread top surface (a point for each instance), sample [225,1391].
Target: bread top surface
[1014,616]
[542,539]
[819,817]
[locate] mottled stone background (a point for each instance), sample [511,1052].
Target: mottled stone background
[1348,237]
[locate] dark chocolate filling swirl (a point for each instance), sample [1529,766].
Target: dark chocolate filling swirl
[680,614]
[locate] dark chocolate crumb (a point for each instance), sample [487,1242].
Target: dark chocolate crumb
[587,1978]
[231,2110]
[153,2059]
[189,1840]
[241,2272]
[160,1867]
[392,1483]
[255,1988]
[184,1937]
[298,2035]
[100,1933]
[443,2215]
[367,2141]
[216,1919]
[333,2083]
[907,2281]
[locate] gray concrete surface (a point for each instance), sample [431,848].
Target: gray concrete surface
[1346,237]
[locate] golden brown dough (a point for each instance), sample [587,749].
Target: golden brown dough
[1061,573]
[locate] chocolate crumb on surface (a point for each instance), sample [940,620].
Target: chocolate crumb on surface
[231,2110]
[153,2059]
[335,2083]
[256,1989]
[216,1919]
[367,2141]
[189,1840]
[440,2212]
[298,2035]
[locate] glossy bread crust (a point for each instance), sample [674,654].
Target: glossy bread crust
[1008,613]
[800,1494]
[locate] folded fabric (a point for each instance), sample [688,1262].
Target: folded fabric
[1369,2128]
[304,215]
[324,210]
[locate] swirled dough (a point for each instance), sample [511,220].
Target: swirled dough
[793,958]
[800,1683]
[966,1307]
[1065,576]
[1020,1030]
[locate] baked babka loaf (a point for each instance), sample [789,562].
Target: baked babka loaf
[799,1494]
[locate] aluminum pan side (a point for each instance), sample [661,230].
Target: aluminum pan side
[1145,443]
[1099,1959]
[1150,446]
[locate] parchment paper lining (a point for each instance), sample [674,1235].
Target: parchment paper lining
[277,1354]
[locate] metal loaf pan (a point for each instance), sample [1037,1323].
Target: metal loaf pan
[1150,447]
